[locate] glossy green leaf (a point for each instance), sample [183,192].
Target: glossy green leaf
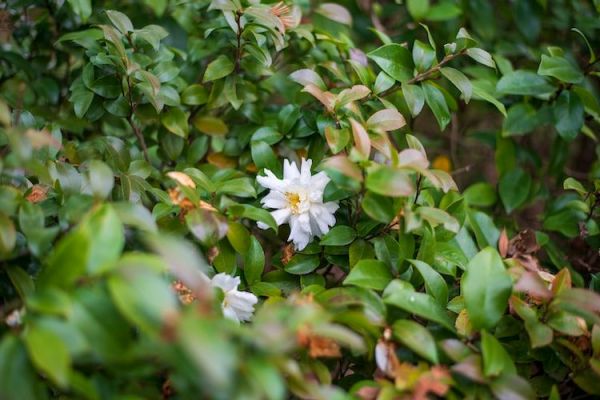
[420,304]
[176,122]
[436,101]
[417,338]
[560,68]
[486,287]
[369,274]
[514,187]
[395,60]
[339,235]
[218,69]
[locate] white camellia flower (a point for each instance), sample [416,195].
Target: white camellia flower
[237,305]
[298,201]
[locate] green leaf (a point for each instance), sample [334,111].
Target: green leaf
[481,56]
[151,34]
[437,102]
[91,248]
[380,208]
[434,283]
[369,274]
[359,249]
[496,359]
[8,235]
[423,56]
[417,338]
[301,264]
[521,118]
[219,68]
[587,42]
[158,6]
[512,386]
[443,11]
[568,115]
[194,95]
[100,179]
[21,280]
[253,213]
[388,181]
[401,295]
[418,8]
[539,334]
[480,194]
[486,287]
[480,92]
[337,139]
[238,236]
[514,187]
[264,157]
[240,187]
[560,68]
[574,184]
[81,99]
[49,354]
[459,80]
[83,8]
[395,60]
[414,97]
[524,83]
[254,261]
[176,122]
[484,229]
[120,21]
[85,38]
[339,235]
[142,296]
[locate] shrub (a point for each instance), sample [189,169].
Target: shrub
[233,200]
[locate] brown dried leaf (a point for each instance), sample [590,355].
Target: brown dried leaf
[287,253]
[318,346]
[182,179]
[503,243]
[436,381]
[523,243]
[37,194]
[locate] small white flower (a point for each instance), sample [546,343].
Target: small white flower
[298,201]
[237,305]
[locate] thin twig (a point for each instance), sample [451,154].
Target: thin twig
[424,75]
[419,180]
[134,127]
[238,53]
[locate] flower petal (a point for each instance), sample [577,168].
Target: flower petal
[290,170]
[225,282]
[281,216]
[274,200]
[270,181]
[305,176]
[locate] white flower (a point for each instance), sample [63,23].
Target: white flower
[298,201]
[237,305]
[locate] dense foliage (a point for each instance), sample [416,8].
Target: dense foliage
[358,200]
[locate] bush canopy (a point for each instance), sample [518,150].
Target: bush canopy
[229,199]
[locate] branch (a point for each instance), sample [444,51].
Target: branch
[134,127]
[240,31]
[424,75]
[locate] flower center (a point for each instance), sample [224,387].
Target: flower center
[294,202]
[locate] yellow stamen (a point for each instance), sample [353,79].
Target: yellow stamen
[294,201]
